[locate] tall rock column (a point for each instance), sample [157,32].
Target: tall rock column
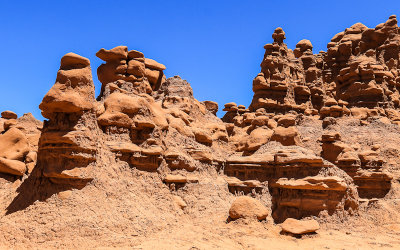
[68,142]
[280,74]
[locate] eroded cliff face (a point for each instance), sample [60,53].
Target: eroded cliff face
[356,78]
[287,148]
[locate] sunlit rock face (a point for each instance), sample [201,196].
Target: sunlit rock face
[70,135]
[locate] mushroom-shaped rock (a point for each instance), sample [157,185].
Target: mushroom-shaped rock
[278,35]
[73,91]
[230,106]
[247,207]
[299,227]
[303,46]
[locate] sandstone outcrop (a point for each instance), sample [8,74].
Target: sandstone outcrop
[19,143]
[286,83]
[140,74]
[359,69]
[364,167]
[295,147]
[298,198]
[70,136]
[295,182]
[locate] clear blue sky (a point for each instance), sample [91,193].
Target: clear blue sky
[215,45]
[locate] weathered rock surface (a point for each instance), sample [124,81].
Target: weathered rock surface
[298,198]
[305,146]
[19,144]
[8,115]
[299,227]
[247,207]
[70,135]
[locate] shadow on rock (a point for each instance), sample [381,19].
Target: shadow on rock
[37,188]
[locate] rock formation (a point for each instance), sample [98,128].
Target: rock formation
[18,143]
[70,136]
[302,148]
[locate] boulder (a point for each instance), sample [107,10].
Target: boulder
[255,140]
[115,54]
[286,136]
[13,145]
[8,115]
[152,64]
[13,167]
[287,121]
[247,207]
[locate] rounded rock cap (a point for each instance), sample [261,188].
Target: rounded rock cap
[8,115]
[278,35]
[304,44]
[72,60]
[114,54]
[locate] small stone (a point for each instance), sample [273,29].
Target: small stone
[175,178]
[297,227]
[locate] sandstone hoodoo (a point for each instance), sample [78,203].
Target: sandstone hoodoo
[69,139]
[146,159]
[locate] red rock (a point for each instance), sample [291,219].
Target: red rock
[8,115]
[286,136]
[247,207]
[294,226]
